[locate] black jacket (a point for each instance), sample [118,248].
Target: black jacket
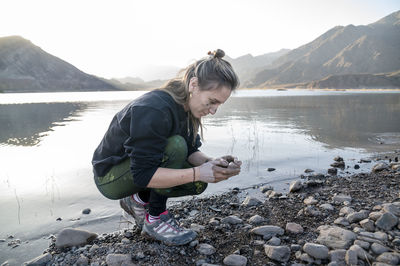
[140,131]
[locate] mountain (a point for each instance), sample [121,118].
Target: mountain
[245,66]
[26,67]
[369,49]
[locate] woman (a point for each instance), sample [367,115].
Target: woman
[150,151]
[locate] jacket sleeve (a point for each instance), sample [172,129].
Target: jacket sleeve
[148,133]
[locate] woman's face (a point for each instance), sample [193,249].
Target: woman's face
[204,102]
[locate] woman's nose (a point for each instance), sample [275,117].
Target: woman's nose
[213,109]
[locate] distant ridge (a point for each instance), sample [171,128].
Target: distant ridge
[24,67]
[369,49]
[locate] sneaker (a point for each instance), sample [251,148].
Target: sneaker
[167,230]
[133,209]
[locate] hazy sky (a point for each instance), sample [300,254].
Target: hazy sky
[117,38]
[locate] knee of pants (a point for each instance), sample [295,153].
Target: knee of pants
[175,153]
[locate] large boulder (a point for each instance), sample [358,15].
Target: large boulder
[70,237]
[335,237]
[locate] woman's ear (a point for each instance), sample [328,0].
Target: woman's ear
[193,84]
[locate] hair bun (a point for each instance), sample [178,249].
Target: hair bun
[217,53]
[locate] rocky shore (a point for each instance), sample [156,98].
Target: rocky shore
[322,220]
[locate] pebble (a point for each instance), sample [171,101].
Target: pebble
[341,198]
[214,221]
[270,169]
[194,243]
[235,260]
[363,244]
[295,247]
[316,251]
[335,237]
[357,216]
[327,206]
[69,237]
[337,254]
[233,219]
[267,231]
[361,253]
[86,211]
[341,221]
[380,167]
[256,219]
[351,257]
[264,189]
[310,201]
[368,225]
[378,249]
[274,241]
[294,228]
[118,259]
[82,261]
[392,208]
[387,221]
[205,249]
[332,171]
[375,215]
[389,258]
[295,186]
[251,201]
[197,227]
[346,211]
[125,241]
[278,253]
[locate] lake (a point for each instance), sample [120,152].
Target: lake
[47,141]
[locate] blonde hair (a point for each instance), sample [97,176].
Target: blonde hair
[212,72]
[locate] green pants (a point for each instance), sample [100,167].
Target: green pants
[118,182]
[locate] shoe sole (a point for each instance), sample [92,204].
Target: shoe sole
[128,217]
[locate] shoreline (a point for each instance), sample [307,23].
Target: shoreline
[226,226]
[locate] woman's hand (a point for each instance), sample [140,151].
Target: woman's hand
[219,169]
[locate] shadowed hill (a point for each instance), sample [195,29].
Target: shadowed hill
[25,67]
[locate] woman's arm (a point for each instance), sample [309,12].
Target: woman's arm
[166,177]
[198,158]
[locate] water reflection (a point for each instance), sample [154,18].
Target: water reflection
[27,124]
[351,120]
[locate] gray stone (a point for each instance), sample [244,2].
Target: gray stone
[295,186]
[357,216]
[361,253]
[86,211]
[368,225]
[118,259]
[337,254]
[378,249]
[69,237]
[327,206]
[375,215]
[306,258]
[213,221]
[274,241]
[280,253]
[387,221]
[363,244]
[256,219]
[316,251]
[82,261]
[294,228]
[335,237]
[341,198]
[379,167]
[392,208]
[235,260]
[389,258]
[40,260]
[125,241]
[251,201]
[268,231]
[295,247]
[197,227]
[205,249]
[351,257]
[346,211]
[341,221]
[377,235]
[233,219]
[310,201]
[273,194]
[264,189]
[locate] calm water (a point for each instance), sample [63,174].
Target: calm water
[47,141]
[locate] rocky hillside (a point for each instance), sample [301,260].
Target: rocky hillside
[25,67]
[369,49]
